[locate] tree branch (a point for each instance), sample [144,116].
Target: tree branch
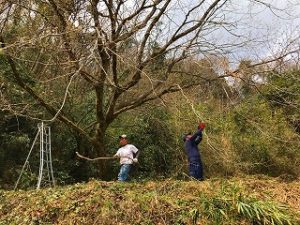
[33,94]
[143,99]
[94,159]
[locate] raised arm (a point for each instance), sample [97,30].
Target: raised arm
[197,137]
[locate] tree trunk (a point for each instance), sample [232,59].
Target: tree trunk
[102,166]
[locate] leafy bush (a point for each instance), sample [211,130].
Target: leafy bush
[263,140]
[153,136]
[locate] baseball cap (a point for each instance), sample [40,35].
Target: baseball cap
[123,136]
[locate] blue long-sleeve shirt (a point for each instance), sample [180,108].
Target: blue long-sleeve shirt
[191,147]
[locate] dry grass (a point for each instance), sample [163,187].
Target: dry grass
[287,193]
[215,201]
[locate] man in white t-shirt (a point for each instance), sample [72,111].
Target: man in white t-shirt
[128,155]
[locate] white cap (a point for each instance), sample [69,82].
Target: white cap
[123,136]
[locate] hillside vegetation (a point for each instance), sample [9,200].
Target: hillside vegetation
[250,200]
[152,70]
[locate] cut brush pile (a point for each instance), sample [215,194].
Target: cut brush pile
[250,200]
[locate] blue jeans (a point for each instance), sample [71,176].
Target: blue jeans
[124,172]
[196,170]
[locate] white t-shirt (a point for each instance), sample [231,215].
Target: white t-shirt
[126,154]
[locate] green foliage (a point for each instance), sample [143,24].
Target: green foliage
[263,140]
[53,43]
[153,136]
[250,138]
[15,135]
[263,212]
[28,179]
[216,148]
[257,134]
[283,92]
[232,202]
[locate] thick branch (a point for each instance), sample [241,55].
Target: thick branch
[140,25]
[148,31]
[67,42]
[142,100]
[33,94]
[94,159]
[176,36]
[130,17]
[137,76]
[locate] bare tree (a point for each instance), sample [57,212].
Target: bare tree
[114,55]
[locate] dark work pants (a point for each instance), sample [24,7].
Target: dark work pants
[196,170]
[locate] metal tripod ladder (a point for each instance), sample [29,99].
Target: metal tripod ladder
[46,177]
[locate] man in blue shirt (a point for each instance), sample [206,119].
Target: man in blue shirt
[191,147]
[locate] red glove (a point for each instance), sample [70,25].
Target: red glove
[201,125]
